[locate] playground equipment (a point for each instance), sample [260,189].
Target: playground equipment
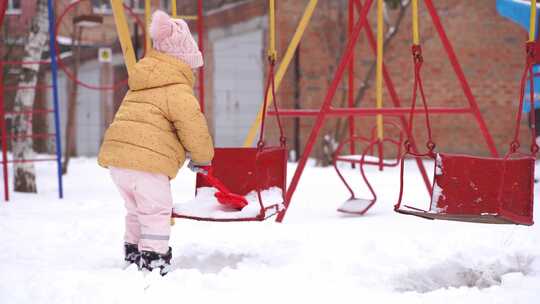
[244,169]
[52,62]
[263,167]
[477,189]
[355,205]
[326,110]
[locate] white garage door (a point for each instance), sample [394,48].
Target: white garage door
[238,86]
[89,127]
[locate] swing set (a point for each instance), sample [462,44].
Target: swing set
[464,188]
[478,189]
[247,169]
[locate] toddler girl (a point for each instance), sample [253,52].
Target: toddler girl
[158,122]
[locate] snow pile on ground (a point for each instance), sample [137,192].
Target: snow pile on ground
[70,250]
[465,271]
[205,204]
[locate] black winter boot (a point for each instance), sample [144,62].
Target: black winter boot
[151,260]
[131,253]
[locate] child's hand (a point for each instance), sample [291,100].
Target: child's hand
[199,169]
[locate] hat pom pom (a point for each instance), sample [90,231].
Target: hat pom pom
[161,26]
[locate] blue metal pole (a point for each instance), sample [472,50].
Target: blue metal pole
[54,74]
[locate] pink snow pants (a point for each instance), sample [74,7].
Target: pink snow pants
[148,203]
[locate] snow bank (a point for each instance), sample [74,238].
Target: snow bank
[460,272]
[70,251]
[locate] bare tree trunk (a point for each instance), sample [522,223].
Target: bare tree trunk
[24,172]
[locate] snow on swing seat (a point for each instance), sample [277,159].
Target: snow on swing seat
[356,206]
[357,158]
[257,173]
[242,171]
[205,206]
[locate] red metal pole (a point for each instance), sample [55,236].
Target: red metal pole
[461,76]
[326,106]
[397,112]
[200,31]
[352,146]
[20,62]
[4,134]
[31,112]
[32,160]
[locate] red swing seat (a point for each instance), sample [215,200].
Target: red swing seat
[356,205]
[243,170]
[476,189]
[480,190]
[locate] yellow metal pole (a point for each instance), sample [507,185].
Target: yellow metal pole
[147,13]
[287,58]
[123,34]
[173,8]
[188,17]
[272,29]
[416,32]
[173,14]
[380,46]
[532,22]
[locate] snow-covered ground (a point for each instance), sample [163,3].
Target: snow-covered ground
[70,250]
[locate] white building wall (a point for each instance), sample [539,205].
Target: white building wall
[88,110]
[238,79]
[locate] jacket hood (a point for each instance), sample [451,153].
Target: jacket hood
[157,70]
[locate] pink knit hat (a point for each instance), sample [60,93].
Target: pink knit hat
[172,37]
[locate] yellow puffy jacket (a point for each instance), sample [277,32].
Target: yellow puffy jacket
[158,120]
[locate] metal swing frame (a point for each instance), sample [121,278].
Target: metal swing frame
[55,110]
[326,110]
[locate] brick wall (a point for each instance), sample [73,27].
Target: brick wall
[490,50]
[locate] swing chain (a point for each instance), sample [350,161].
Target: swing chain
[535,148]
[408,146]
[417,54]
[514,146]
[283,140]
[431,146]
[531,52]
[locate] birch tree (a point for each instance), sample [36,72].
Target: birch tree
[24,172]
